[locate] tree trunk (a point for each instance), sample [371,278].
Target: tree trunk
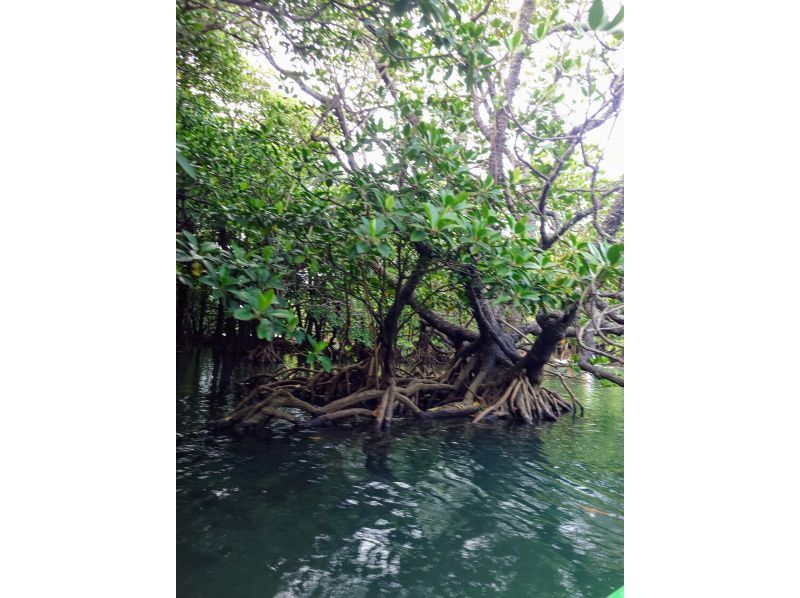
[554,330]
[218,322]
[230,330]
[181,302]
[388,330]
[201,319]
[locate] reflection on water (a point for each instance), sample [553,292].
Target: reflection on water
[430,509]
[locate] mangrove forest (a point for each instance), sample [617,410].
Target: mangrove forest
[400,209]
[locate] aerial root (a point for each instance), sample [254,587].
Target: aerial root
[250,413]
[353,392]
[449,371]
[357,391]
[273,399]
[264,354]
[328,417]
[383,414]
[573,398]
[342,381]
[528,402]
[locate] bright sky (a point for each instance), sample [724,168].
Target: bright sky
[609,136]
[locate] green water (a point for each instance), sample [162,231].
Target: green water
[430,509]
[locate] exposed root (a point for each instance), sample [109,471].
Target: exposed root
[528,402]
[470,386]
[269,353]
[454,409]
[331,396]
[427,358]
[328,417]
[263,354]
[383,414]
[501,402]
[262,404]
[574,399]
[472,373]
[453,367]
[409,403]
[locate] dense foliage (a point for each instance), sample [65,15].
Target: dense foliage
[400,179]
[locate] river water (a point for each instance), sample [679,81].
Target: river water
[438,509]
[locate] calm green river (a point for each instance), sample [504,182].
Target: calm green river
[435,509]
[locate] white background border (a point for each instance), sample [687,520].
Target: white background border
[88,285]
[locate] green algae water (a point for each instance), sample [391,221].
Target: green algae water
[440,508]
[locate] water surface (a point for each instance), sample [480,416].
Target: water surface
[438,508]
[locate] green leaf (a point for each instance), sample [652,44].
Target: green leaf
[596,13]
[265,299]
[325,362]
[185,164]
[519,228]
[615,21]
[384,250]
[469,78]
[265,330]
[432,212]
[388,203]
[191,238]
[243,314]
[284,314]
[531,296]
[513,42]
[614,253]
[418,235]
[503,298]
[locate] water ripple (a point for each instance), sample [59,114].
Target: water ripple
[431,509]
